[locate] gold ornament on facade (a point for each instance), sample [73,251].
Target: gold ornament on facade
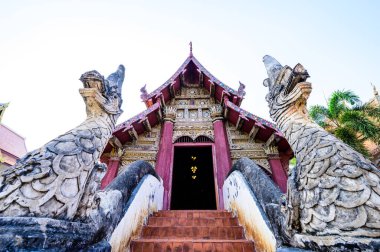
[145,147]
[194,169]
[242,145]
[216,112]
[170,113]
[271,150]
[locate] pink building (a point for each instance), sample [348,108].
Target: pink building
[12,145]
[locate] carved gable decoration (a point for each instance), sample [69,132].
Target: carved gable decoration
[242,145]
[144,148]
[193,115]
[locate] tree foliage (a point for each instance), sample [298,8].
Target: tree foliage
[348,119]
[2,159]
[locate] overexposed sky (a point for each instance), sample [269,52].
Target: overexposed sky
[45,45]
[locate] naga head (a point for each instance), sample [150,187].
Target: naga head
[288,89]
[103,95]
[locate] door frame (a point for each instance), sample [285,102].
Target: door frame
[215,170]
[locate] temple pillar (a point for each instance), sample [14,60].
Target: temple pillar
[112,169]
[164,164]
[285,159]
[278,172]
[222,151]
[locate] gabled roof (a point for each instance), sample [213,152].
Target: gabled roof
[193,72]
[193,67]
[252,124]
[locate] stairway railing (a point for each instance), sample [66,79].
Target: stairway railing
[248,194]
[144,191]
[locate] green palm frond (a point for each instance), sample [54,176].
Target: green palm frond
[373,112]
[349,137]
[348,119]
[360,123]
[319,114]
[339,99]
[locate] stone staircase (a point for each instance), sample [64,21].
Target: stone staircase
[192,230]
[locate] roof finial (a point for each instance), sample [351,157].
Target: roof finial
[241,91]
[144,93]
[191,49]
[374,90]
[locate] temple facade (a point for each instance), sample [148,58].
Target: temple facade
[192,132]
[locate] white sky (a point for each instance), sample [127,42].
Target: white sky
[46,45]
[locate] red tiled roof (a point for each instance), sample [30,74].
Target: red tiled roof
[253,117]
[11,142]
[191,65]
[228,97]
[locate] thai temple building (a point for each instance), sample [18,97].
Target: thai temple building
[192,172]
[374,149]
[192,131]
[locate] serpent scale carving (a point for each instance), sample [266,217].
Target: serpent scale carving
[60,177]
[333,189]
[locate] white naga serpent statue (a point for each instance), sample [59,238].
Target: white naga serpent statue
[57,179]
[333,190]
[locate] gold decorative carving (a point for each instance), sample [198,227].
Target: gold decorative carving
[193,116]
[252,154]
[170,113]
[144,148]
[192,103]
[193,130]
[180,114]
[262,162]
[131,156]
[216,112]
[192,92]
[243,145]
[271,150]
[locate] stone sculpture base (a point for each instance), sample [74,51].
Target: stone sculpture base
[336,243]
[46,233]
[269,198]
[82,234]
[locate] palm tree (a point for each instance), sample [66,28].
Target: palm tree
[348,119]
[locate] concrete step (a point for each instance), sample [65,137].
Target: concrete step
[194,232]
[190,214]
[201,221]
[184,245]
